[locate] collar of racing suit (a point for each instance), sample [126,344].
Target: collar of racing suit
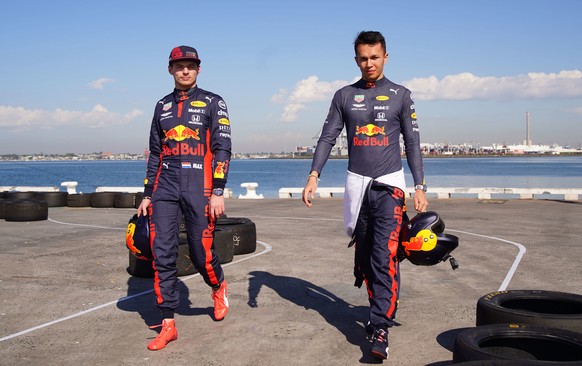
[367,85]
[180,95]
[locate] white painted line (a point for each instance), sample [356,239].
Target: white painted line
[505,282]
[85,225]
[513,268]
[267,249]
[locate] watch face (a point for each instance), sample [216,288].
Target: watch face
[217,192]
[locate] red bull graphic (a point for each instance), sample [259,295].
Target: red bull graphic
[370,130]
[181,132]
[130,243]
[184,149]
[220,169]
[424,241]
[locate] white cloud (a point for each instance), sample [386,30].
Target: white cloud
[99,83]
[290,112]
[305,91]
[464,86]
[19,118]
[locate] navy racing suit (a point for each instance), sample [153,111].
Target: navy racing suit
[375,115]
[190,150]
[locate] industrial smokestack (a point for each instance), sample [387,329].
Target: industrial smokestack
[527,136]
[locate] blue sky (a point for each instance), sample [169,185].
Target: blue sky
[85,76]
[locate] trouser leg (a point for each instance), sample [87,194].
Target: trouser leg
[164,241]
[200,232]
[377,235]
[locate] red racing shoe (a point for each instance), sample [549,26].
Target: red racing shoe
[167,334]
[220,297]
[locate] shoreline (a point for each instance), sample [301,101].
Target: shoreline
[43,158]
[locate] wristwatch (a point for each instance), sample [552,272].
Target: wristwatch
[420,186]
[218,191]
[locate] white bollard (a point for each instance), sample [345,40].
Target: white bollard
[251,192]
[71,187]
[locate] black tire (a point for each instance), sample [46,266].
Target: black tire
[26,210]
[138,199]
[543,308]
[103,199]
[53,199]
[16,195]
[3,203]
[536,345]
[78,200]
[223,244]
[124,200]
[139,267]
[244,233]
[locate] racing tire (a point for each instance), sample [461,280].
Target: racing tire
[53,199]
[26,210]
[223,244]
[17,195]
[244,233]
[543,308]
[103,199]
[78,200]
[124,200]
[525,343]
[3,203]
[138,199]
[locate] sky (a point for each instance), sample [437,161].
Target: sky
[82,77]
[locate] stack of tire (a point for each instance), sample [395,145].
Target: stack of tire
[523,327]
[232,236]
[29,206]
[105,200]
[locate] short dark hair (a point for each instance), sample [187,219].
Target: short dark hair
[369,38]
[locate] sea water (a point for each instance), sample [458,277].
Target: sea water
[273,174]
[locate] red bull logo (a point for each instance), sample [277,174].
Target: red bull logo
[220,170]
[129,239]
[424,241]
[183,148]
[181,132]
[370,130]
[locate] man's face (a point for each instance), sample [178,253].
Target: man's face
[185,73]
[371,60]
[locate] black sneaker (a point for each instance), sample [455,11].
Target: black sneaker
[380,344]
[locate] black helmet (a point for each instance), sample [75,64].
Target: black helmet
[137,237]
[423,242]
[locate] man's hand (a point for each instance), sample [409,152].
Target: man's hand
[143,207]
[216,206]
[310,187]
[420,201]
